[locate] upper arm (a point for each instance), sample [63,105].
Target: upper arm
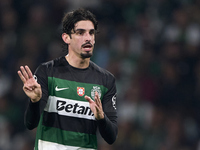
[109,99]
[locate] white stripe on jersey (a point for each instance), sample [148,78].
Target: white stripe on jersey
[68,107]
[44,145]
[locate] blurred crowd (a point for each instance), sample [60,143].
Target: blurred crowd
[151,46]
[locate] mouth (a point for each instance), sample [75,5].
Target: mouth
[87,47]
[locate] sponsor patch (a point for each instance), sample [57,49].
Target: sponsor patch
[35,77]
[114,101]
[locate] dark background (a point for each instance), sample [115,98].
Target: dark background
[151,46]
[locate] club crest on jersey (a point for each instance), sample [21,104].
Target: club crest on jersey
[80,91]
[96,88]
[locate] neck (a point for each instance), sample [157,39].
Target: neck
[78,62]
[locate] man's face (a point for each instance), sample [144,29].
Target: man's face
[82,39]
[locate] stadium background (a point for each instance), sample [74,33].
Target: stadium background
[152,48]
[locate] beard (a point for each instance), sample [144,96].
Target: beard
[86,55]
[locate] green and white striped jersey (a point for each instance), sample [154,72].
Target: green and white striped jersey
[66,121]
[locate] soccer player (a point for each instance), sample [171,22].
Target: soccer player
[70,97]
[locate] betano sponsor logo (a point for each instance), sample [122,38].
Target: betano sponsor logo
[74,108]
[69,107]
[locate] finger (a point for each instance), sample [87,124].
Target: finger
[28,71]
[88,99]
[21,76]
[97,99]
[24,73]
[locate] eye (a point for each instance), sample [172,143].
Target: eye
[80,32]
[92,32]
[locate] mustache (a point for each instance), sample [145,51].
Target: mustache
[87,43]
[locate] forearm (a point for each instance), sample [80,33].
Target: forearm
[32,115]
[108,128]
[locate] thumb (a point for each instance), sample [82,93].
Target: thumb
[88,99]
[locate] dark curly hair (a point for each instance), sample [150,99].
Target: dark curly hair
[71,18]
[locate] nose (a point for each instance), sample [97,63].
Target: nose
[88,37]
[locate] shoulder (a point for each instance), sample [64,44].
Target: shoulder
[54,63]
[60,61]
[101,71]
[50,65]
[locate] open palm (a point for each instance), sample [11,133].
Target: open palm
[96,106]
[31,87]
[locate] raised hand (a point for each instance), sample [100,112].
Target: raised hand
[96,106]
[31,87]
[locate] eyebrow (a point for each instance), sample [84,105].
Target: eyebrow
[83,30]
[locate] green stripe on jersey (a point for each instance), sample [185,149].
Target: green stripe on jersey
[73,90]
[63,137]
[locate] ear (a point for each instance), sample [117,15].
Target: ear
[66,38]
